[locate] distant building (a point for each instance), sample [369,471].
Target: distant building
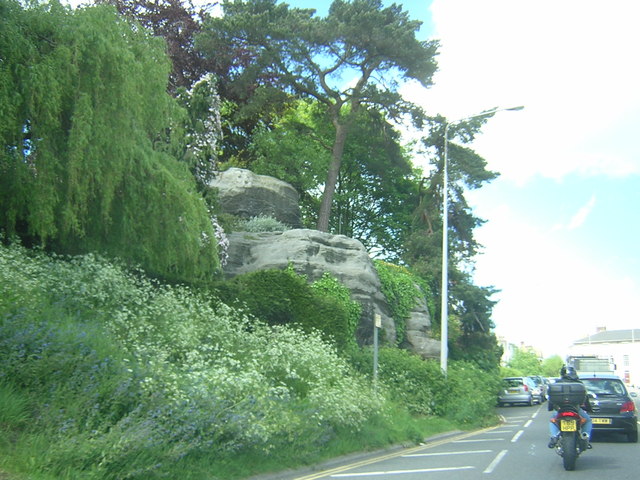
[621,345]
[509,350]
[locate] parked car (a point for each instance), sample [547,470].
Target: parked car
[542,386]
[518,390]
[612,407]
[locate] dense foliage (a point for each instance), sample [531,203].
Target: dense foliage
[125,375]
[283,297]
[373,45]
[83,162]
[467,394]
[376,191]
[403,291]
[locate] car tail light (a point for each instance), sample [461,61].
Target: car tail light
[627,407]
[526,388]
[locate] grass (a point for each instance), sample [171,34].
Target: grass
[108,376]
[20,453]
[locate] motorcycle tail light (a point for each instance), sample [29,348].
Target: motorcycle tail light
[568,414]
[627,407]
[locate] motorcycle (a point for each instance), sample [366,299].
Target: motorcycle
[573,441]
[566,397]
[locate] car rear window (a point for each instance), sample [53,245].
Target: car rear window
[604,386]
[513,382]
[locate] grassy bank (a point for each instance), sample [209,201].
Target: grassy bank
[107,374]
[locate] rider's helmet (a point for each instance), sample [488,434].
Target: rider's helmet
[568,372]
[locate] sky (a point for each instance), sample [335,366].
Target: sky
[562,220]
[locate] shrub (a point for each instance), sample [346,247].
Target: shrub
[402,290]
[262,224]
[282,297]
[126,376]
[471,393]
[467,395]
[410,380]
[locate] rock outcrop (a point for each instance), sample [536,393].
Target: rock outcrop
[311,253]
[246,194]
[418,332]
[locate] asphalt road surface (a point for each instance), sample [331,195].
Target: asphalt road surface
[517,449]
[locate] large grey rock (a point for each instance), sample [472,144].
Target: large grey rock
[246,194]
[418,332]
[312,253]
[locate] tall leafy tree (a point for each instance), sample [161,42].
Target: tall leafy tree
[348,60]
[82,162]
[376,190]
[471,304]
[526,361]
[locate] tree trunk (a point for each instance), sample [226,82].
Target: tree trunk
[332,177]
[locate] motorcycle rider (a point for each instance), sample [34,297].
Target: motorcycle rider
[569,374]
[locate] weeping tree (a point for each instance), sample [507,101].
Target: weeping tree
[349,60]
[84,140]
[177,21]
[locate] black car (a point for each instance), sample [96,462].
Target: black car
[612,408]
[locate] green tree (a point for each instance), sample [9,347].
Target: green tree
[83,164]
[376,190]
[177,21]
[551,366]
[340,60]
[467,171]
[471,305]
[526,362]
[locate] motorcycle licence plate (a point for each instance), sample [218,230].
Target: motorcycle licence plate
[568,425]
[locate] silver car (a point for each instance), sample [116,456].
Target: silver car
[518,390]
[542,386]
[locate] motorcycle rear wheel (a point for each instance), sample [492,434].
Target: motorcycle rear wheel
[569,451]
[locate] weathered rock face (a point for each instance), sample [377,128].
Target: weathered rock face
[245,194]
[312,253]
[418,332]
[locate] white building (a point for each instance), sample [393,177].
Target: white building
[621,345]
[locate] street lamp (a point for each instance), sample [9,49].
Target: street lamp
[444,306]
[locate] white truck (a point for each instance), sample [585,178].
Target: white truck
[592,364]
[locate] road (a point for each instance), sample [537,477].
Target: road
[517,449]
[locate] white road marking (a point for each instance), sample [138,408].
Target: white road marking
[467,452]
[401,472]
[479,440]
[495,462]
[517,436]
[528,423]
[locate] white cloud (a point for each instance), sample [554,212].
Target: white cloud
[580,217]
[569,62]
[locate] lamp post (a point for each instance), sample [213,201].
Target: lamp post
[444,306]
